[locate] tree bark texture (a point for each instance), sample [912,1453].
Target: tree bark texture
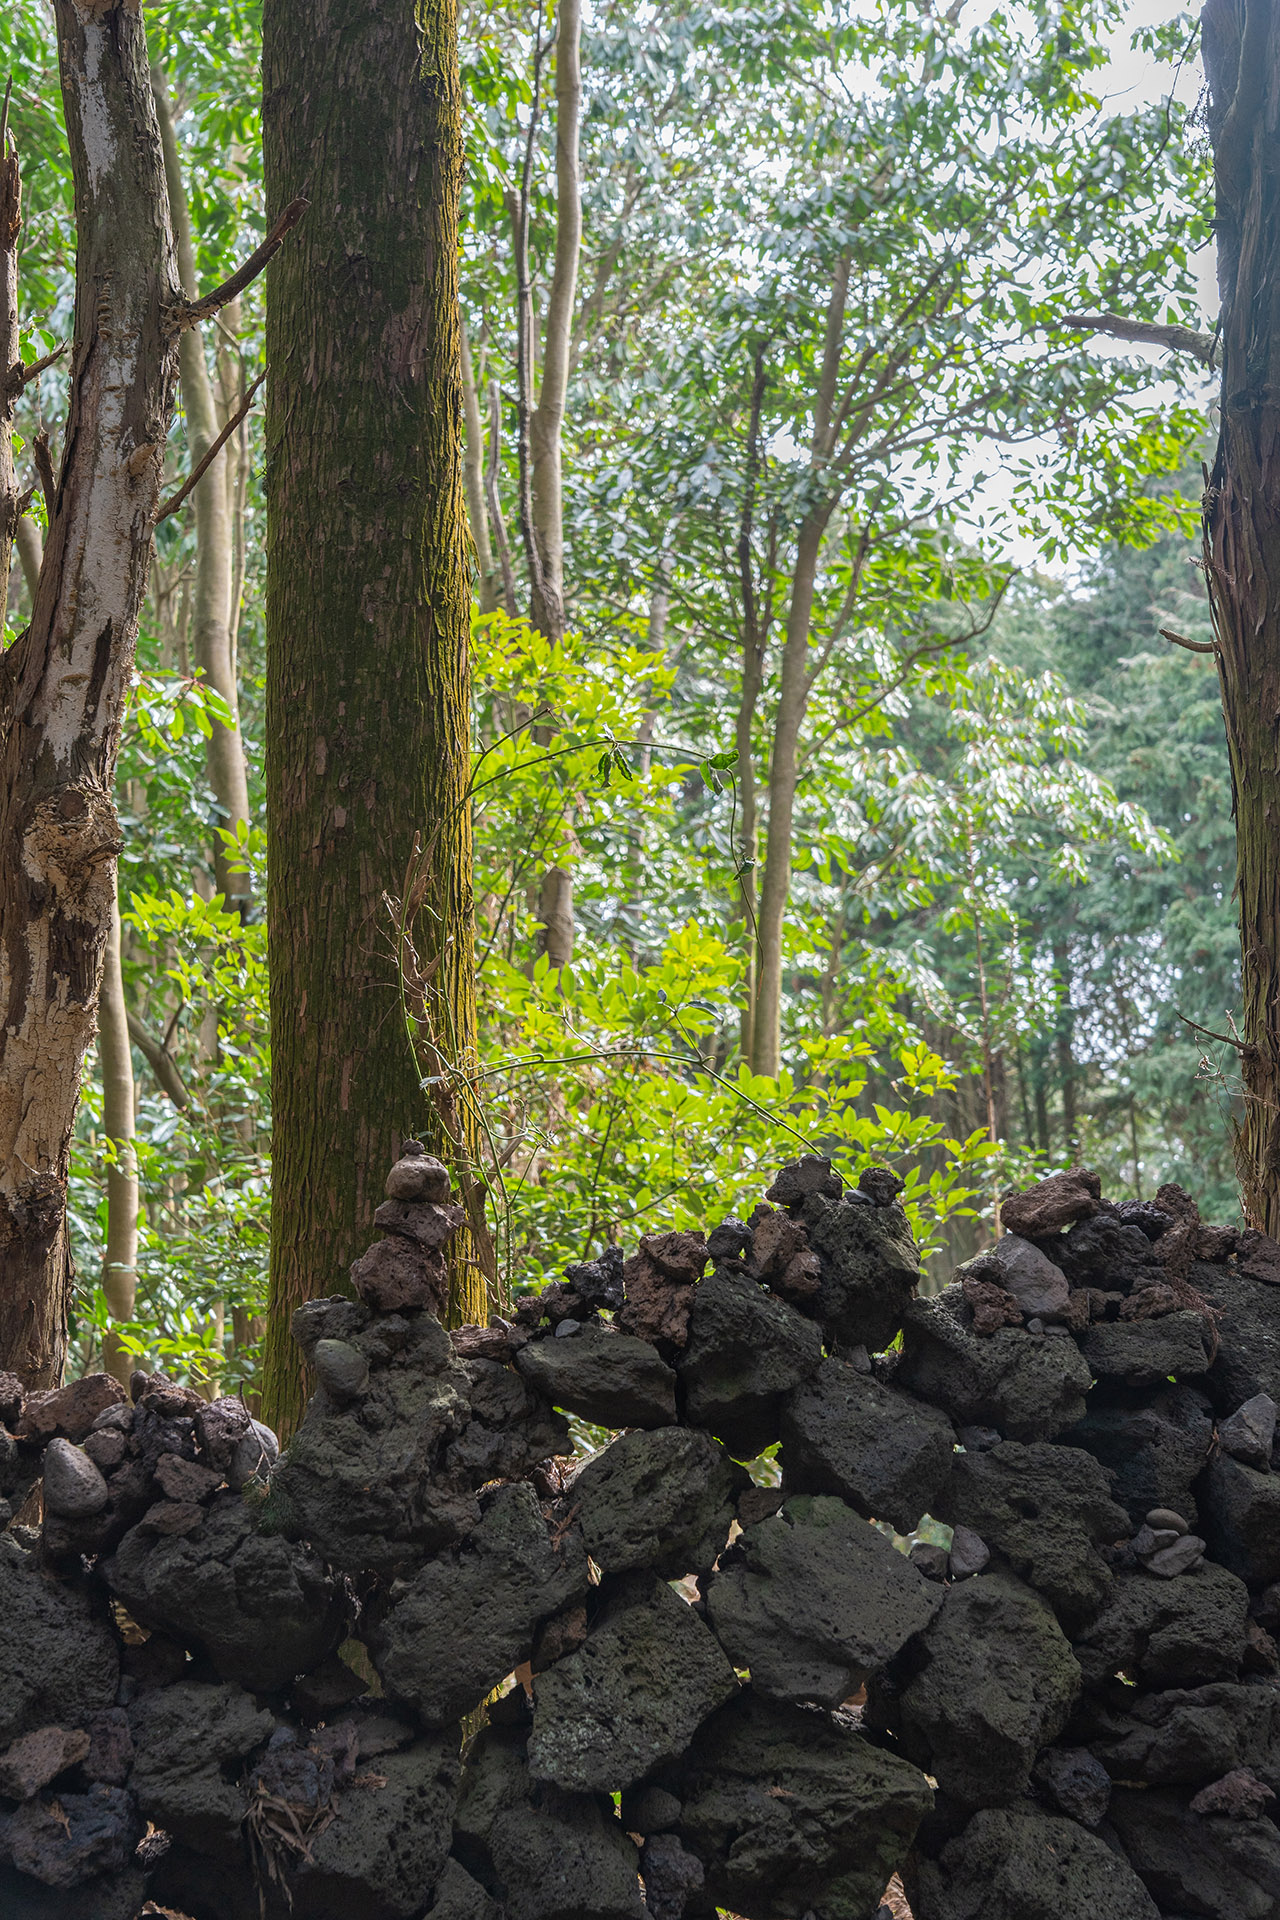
[473,468]
[368,607]
[1241,42]
[212,635]
[120,1265]
[63,685]
[10,359]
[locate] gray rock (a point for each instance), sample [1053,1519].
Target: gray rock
[1186,1735]
[68,1412]
[1039,1287]
[1240,1518]
[341,1369]
[662,1499]
[73,1486]
[1077,1783]
[1022,1864]
[670,1874]
[337,1318]
[188,1740]
[459,1897]
[34,1759]
[255,1455]
[1051,1204]
[745,1350]
[1029,1389]
[793,1812]
[1225,1869]
[111,1896]
[510,1430]
[262,1608]
[870,1269]
[1047,1510]
[1165,1518]
[418,1176]
[815,1600]
[631,1697]
[364,1483]
[58,1654]
[1247,1361]
[544,1855]
[1250,1432]
[650,1810]
[999,1684]
[845,1432]
[391,1839]
[930,1559]
[613,1379]
[469,1616]
[1143,1352]
[969,1553]
[1167,1633]
[1179,1555]
[1155,1451]
[65,1839]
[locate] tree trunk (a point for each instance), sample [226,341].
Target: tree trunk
[63,686]
[477,512]
[211,631]
[120,1267]
[367,622]
[1063,1043]
[10,227]
[1241,40]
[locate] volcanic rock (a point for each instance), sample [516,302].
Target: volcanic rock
[1029,1389]
[746,1349]
[611,1378]
[1167,1633]
[1051,1204]
[662,1499]
[1022,1864]
[844,1432]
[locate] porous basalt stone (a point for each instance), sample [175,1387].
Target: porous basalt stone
[58,1655]
[662,1499]
[390,1841]
[1154,1449]
[792,1812]
[1225,1869]
[365,1484]
[335,1318]
[190,1743]
[469,1616]
[870,1269]
[633,1694]
[1240,1518]
[1184,1736]
[612,1378]
[847,1433]
[398,1273]
[1019,1863]
[1247,1360]
[746,1349]
[1028,1389]
[793,1184]
[541,1853]
[1167,1633]
[68,1413]
[997,1683]
[658,1282]
[1144,1352]
[458,1897]
[34,1759]
[262,1608]
[1039,1287]
[1046,1510]
[418,1175]
[1051,1204]
[511,1427]
[1075,1782]
[814,1600]
[1250,1432]
[65,1839]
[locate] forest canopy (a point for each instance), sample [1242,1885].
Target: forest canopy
[833,785]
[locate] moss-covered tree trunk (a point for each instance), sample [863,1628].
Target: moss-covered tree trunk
[367,618]
[1242,540]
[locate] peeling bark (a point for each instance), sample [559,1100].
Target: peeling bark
[63,685]
[120,1266]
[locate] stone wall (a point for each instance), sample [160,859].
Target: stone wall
[237,1684]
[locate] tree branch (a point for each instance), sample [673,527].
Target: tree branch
[192,313]
[198,472]
[22,376]
[161,1063]
[1192,646]
[1150,332]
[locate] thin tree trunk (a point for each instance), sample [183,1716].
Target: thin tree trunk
[212,642]
[793,701]
[1063,1037]
[753,644]
[367,624]
[120,1267]
[10,227]
[63,685]
[1241,43]
[473,469]
[30,547]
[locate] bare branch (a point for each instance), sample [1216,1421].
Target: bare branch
[1192,646]
[161,1063]
[1149,332]
[44,470]
[198,472]
[191,314]
[22,376]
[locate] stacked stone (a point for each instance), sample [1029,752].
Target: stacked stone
[238,1684]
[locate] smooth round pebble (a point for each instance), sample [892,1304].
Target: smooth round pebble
[73,1487]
